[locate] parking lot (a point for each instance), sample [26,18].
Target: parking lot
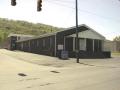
[26,71]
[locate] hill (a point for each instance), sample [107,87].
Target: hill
[23,27]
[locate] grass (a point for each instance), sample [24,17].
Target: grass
[115,53]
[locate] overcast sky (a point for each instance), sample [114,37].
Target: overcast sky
[101,15]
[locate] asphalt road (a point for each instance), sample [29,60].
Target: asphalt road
[17,74]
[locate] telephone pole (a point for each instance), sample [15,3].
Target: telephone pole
[77,42]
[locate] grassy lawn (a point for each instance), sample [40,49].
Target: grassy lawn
[116,54]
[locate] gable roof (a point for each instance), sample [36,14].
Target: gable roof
[95,32]
[66,32]
[90,33]
[72,30]
[81,27]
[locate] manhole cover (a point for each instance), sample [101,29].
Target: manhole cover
[22,74]
[55,71]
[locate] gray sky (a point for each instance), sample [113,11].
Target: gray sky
[101,15]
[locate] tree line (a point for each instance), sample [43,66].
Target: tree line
[117,38]
[22,27]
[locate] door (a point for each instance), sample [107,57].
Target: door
[89,45]
[68,44]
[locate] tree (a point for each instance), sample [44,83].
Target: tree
[117,38]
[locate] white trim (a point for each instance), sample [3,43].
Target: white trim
[85,44]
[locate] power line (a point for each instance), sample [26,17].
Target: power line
[60,4]
[101,16]
[62,1]
[83,11]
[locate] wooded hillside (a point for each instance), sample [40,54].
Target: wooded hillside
[23,27]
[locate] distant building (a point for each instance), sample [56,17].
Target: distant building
[113,46]
[10,43]
[91,43]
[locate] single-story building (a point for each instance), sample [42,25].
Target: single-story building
[91,43]
[10,42]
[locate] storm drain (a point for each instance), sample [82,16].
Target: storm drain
[22,74]
[54,71]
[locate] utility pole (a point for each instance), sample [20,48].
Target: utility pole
[77,44]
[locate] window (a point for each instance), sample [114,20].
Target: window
[43,42]
[37,43]
[82,44]
[18,38]
[51,42]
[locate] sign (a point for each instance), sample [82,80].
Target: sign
[60,47]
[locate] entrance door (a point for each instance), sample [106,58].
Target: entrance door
[89,45]
[69,44]
[97,45]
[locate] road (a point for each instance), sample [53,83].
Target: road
[87,75]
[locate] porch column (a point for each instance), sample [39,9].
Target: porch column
[85,44]
[73,43]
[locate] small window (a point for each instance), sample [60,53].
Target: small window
[43,42]
[51,41]
[18,38]
[82,44]
[37,43]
